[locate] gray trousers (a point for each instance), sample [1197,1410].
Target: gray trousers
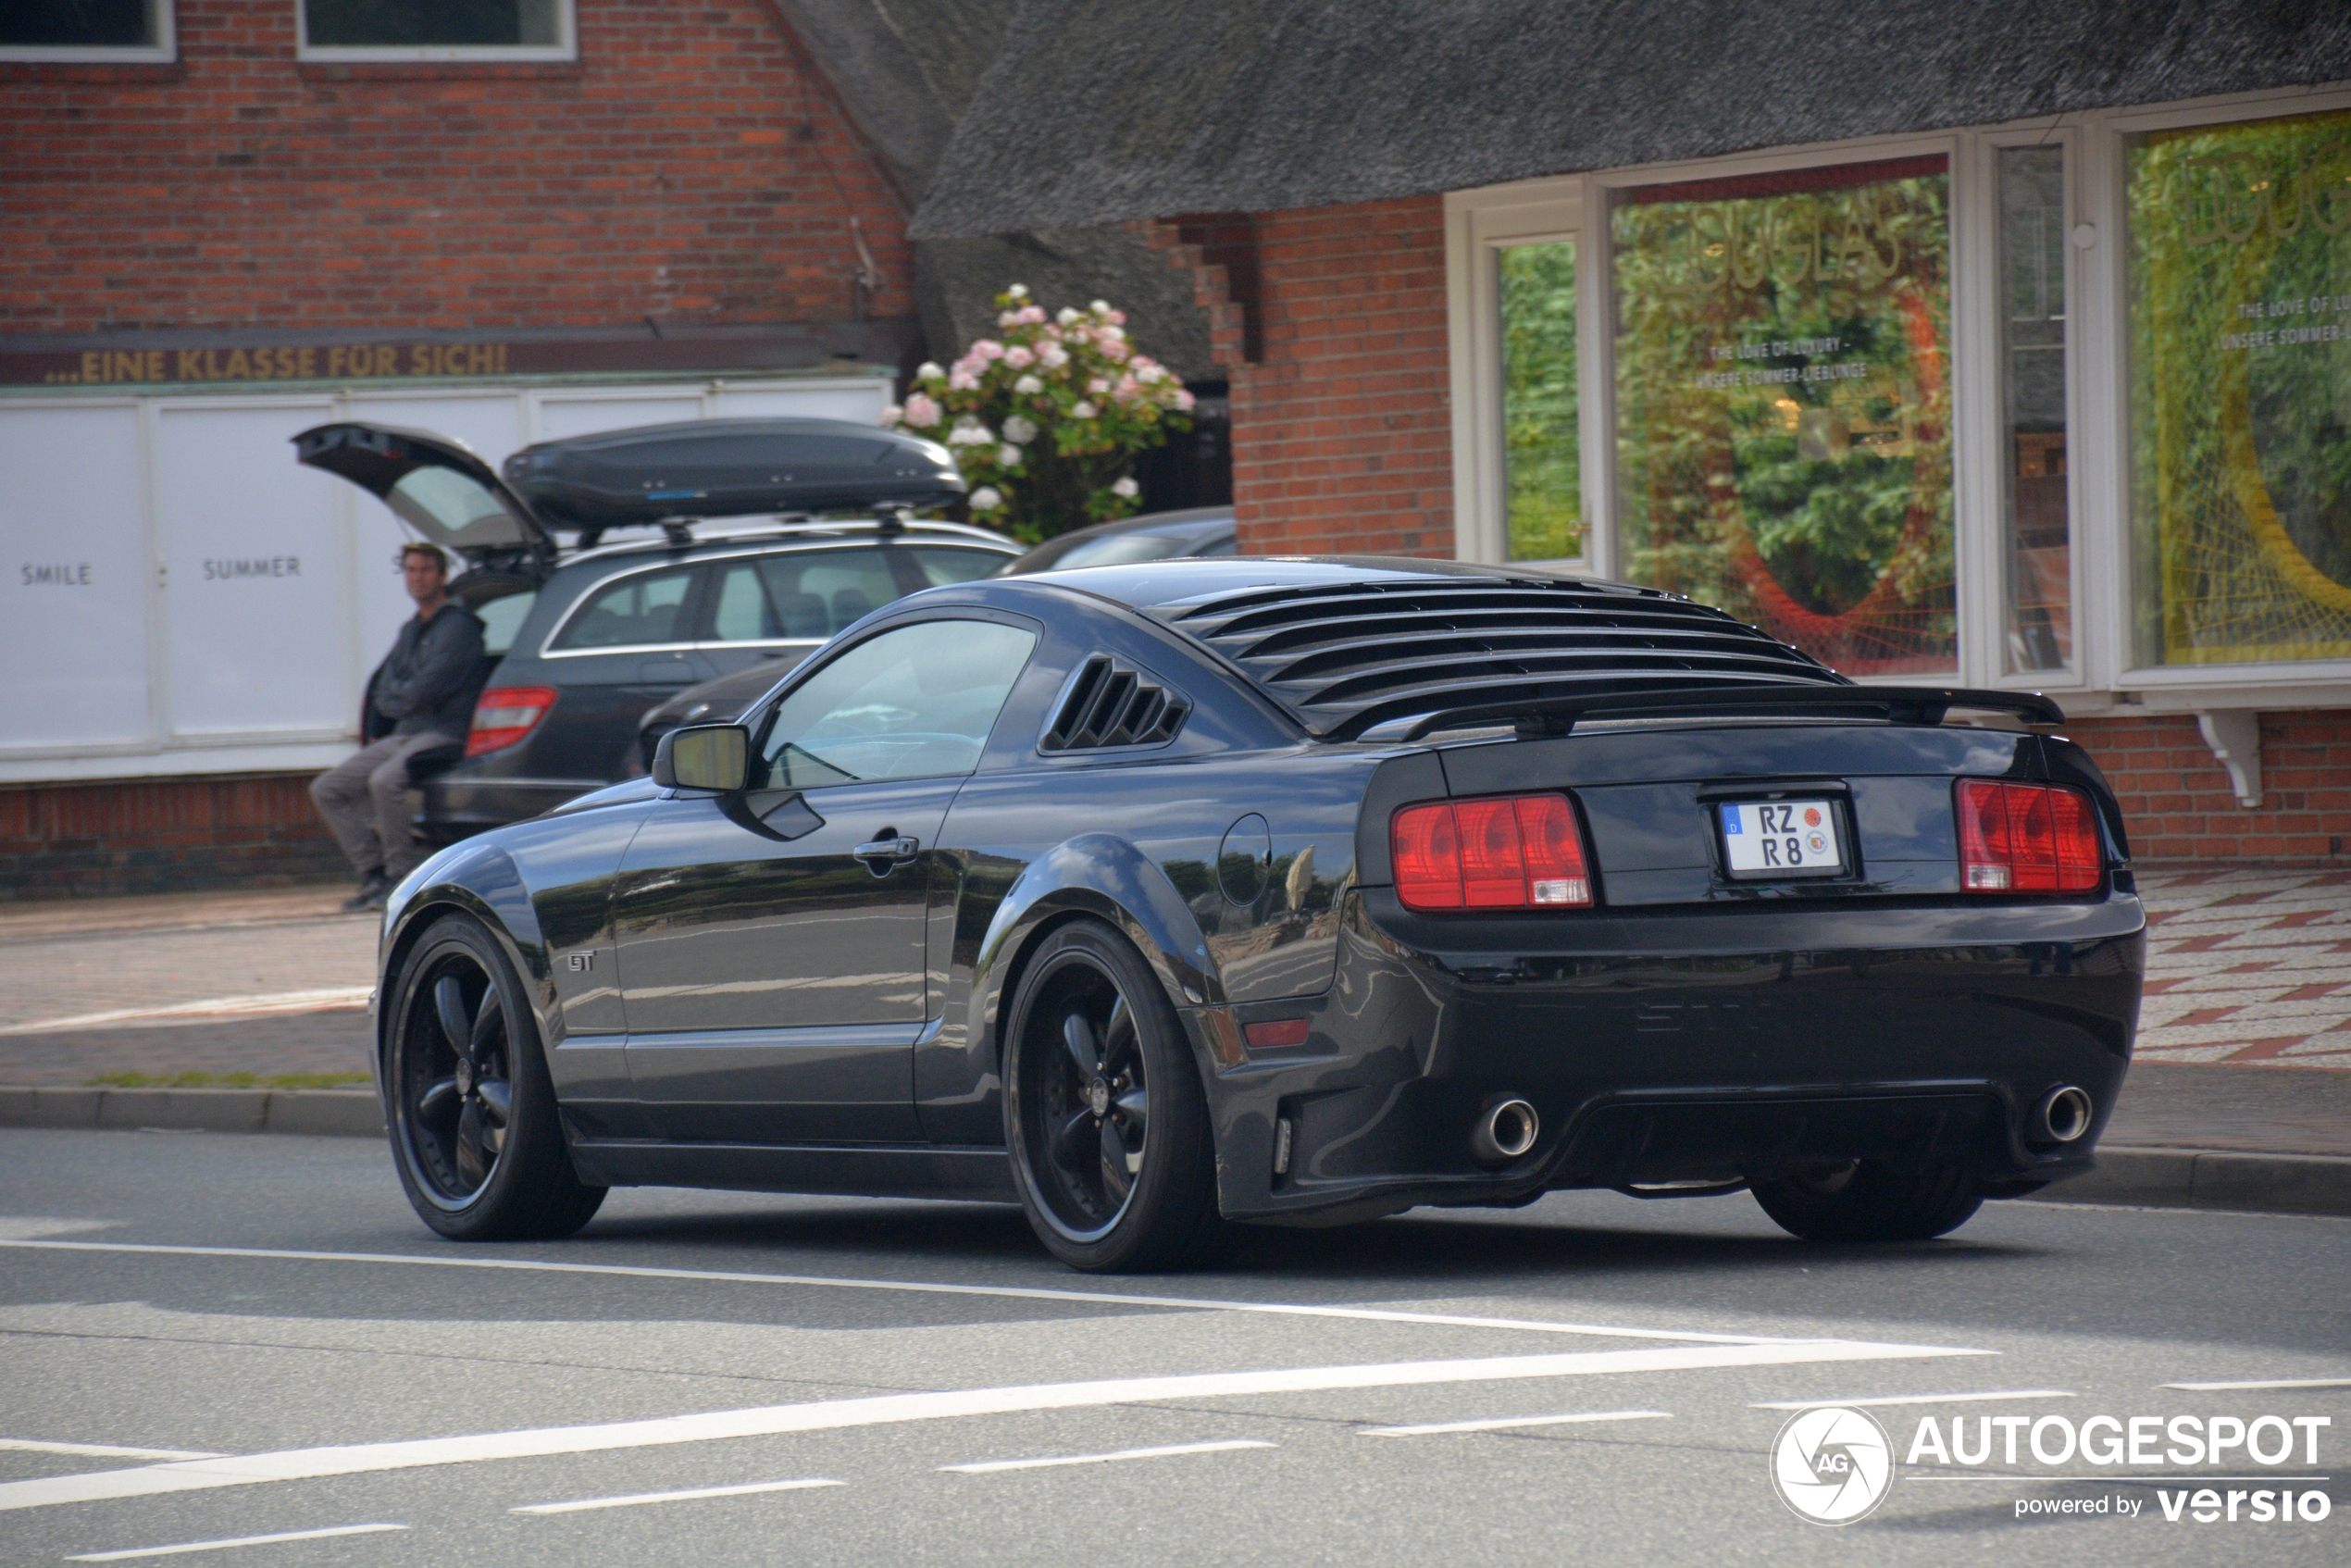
[365,802]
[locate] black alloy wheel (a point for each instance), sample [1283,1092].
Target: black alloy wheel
[1871,1200]
[1104,1109]
[473,1124]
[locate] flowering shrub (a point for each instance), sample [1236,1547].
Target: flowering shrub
[1046,422]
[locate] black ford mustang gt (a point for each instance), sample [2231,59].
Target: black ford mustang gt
[1165,896]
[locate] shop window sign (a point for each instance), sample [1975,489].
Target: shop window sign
[2240,271]
[1783,395]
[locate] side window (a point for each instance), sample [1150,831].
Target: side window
[647,607]
[915,702]
[940,565]
[501,618]
[743,614]
[817,592]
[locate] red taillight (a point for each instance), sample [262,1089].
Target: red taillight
[507,713]
[1511,851]
[2027,839]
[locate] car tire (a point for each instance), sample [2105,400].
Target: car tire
[1104,1112]
[1871,1200]
[472,1111]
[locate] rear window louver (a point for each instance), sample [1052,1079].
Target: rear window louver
[1110,703]
[1349,656]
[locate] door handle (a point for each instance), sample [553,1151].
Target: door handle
[883,853]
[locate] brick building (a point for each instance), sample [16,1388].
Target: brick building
[223,221]
[2001,357]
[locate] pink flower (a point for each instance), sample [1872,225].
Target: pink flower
[1127,391]
[1052,357]
[921,412]
[1183,400]
[1115,349]
[987,348]
[1097,386]
[1018,358]
[963,381]
[1034,314]
[1118,318]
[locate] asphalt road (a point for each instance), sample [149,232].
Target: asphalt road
[193,1295]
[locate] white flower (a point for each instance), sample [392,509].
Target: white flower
[1100,307]
[986,498]
[1020,431]
[1018,291]
[1008,456]
[1149,375]
[1097,386]
[1067,316]
[969,432]
[1008,318]
[964,381]
[1082,409]
[1052,357]
[1028,386]
[891,415]
[928,370]
[1110,334]
[1126,488]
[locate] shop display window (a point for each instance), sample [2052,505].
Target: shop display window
[1784,405]
[2033,332]
[1541,462]
[2240,390]
[406,29]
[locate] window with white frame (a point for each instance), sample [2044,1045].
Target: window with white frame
[2240,390]
[437,30]
[98,32]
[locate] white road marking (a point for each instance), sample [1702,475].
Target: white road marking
[238,1540]
[635,1498]
[989,1467]
[1008,1292]
[213,1007]
[103,1450]
[826,1415]
[2271,1383]
[1500,1424]
[33,1228]
[1915,1400]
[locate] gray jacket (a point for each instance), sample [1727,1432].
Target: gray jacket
[430,679]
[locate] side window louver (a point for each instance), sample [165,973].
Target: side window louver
[1112,703]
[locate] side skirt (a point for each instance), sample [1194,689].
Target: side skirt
[836,1170]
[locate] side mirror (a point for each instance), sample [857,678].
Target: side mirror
[703,756]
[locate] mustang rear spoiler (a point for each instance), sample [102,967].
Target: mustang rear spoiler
[1538,717]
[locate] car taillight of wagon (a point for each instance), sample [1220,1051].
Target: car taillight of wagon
[507,713]
[2027,839]
[1510,852]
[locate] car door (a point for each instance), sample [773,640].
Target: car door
[770,942]
[626,645]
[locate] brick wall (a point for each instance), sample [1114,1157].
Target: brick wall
[2178,804]
[1331,324]
[690,166]
[161,835]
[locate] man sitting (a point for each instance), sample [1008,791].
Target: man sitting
[420,699]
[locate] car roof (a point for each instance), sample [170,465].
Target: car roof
[1350,644]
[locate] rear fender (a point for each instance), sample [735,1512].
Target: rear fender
[1106,877]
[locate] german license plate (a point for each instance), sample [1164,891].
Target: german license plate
[1782,836]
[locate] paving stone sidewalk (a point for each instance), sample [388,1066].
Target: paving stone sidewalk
[2249,967]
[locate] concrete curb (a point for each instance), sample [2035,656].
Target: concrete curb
[2160,1178]
[314,1112]
[2212,1179]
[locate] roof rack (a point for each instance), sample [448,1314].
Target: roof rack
[730,530]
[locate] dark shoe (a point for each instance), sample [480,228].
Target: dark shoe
[374,888]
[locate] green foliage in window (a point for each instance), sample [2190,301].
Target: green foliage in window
[1541,463]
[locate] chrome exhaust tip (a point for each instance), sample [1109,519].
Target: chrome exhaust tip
[2063,1116]
[1504,1130]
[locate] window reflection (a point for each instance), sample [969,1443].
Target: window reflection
[2040,620]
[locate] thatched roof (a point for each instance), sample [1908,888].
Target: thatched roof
[1101,111]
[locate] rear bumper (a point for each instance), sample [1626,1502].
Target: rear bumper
[1689,1046]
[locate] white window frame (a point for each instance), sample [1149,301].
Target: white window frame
[566,47]
[162,52]
[2101,535]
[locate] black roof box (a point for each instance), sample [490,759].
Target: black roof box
[729,468]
